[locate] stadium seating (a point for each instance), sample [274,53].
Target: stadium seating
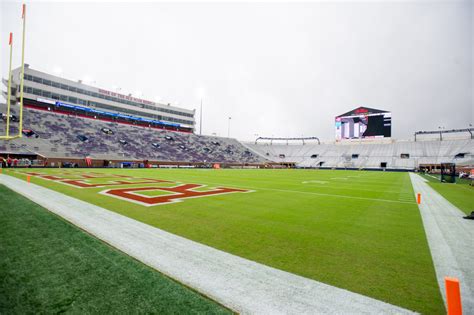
[76,137]
[67,136]
[368,155]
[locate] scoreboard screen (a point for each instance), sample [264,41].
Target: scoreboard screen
[363,123]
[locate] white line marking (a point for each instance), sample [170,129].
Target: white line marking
[450,239]
[314,182]
[311,193]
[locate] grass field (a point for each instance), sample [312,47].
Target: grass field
[49,266]
[361,231]
[460,194]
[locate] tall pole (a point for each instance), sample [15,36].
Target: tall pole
[200,120]
[9,86]
[228,127]
[20,125]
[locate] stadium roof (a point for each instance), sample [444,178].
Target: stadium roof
[363,110]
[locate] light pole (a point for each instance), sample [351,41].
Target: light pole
[441,128]
[200,95]
[200,120]
[228,127]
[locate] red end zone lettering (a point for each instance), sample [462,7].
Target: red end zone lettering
[45,176]
[177,193]
[180,193]
[66,176]
[83,184]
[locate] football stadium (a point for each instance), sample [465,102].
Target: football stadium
[114,203]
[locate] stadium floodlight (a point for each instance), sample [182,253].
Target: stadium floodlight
[228,126]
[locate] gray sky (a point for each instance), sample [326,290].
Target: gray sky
[277,69]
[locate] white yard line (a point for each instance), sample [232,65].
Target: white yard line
[450,238]
[240,284]
[304,192]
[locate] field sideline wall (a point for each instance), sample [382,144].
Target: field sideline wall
[100,162]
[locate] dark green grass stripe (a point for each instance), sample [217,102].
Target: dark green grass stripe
[49,266]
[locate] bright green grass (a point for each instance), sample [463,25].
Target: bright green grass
[49,266]
[361,231]
[460,194]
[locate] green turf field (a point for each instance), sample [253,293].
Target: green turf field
[48,266]
[357,230]
[460,194]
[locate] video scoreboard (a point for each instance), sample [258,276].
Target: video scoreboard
[363,123]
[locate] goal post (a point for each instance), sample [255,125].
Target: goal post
[7,135]
[9,91]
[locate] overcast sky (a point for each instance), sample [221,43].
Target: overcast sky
[277,69]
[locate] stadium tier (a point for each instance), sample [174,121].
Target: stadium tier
[68,136]
[403,155]
[46,90]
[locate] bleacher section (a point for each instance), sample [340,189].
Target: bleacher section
[67,136]
[397,154]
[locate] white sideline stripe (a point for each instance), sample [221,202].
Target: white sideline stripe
[240,284]
[437,178]
[450,238]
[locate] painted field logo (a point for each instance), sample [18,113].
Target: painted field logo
[172,194]
[152,192]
